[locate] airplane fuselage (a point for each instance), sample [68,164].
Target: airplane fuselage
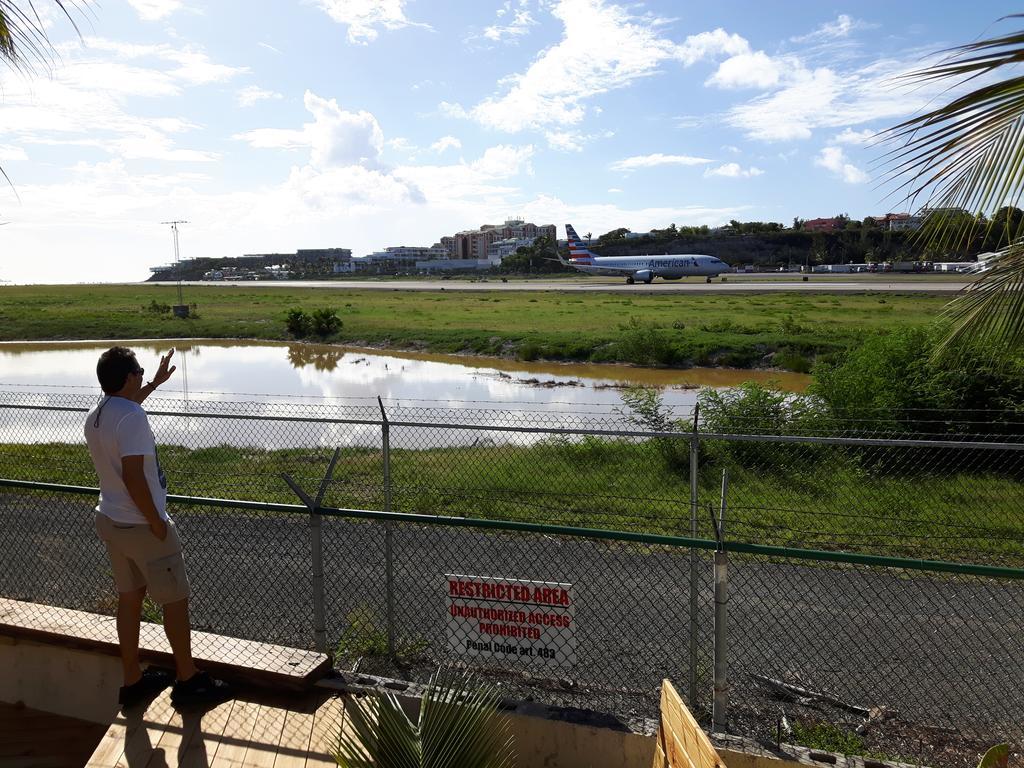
[640,268]
[666,267]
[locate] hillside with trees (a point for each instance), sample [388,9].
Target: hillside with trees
[772,244]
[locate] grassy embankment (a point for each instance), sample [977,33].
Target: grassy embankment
[824,502]
[674,329]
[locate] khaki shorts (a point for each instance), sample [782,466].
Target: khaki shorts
[139,559]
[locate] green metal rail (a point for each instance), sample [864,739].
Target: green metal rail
[935,566]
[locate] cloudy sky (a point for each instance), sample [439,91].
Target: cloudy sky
[368,123]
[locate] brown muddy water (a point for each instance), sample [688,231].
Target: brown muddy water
[262,376]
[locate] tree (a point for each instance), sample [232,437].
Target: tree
[24,44]
[615,234]
[968,155]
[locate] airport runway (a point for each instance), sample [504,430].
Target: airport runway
[741,284]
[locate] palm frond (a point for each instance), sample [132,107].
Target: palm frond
[24,43]
[965,159]
[993,307]
[458,727]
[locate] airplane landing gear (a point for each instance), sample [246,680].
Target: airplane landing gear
[629,281]
[709,280]
[649,280]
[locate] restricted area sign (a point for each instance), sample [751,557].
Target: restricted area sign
[532,621]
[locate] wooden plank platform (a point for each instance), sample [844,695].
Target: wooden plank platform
[244,661]
[243,733]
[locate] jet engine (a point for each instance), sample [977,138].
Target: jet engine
[644,275]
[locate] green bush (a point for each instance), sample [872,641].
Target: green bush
[299,324]
[754,409]
[326,322]
[646,344]
[897,383]
[156,308]
[792,360]
[322,323]
[646,408]
[528,351]
[827,738]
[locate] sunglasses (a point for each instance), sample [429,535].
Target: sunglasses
[139,371]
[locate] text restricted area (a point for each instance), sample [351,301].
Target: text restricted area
[504,618]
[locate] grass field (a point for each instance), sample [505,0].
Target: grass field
[759,330]
[824,500]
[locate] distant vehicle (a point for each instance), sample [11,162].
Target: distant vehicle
[640,268]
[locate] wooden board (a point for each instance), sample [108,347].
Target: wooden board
[238,660]
[237,735]
[327,724]
[176,737]
[206,736]
[266,737]
[267,732]
[682,743]
[294,744]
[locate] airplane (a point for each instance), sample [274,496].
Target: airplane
[640,268]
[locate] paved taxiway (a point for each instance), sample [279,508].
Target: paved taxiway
[815,284]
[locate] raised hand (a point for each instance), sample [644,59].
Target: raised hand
[163,373]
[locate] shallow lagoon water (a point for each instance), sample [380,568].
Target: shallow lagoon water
[325,381]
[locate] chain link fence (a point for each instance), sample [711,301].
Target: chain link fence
[913,656]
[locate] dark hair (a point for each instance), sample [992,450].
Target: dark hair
[114,367]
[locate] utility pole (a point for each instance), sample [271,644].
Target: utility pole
[181,310]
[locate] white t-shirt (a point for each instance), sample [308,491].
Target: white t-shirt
[115,428]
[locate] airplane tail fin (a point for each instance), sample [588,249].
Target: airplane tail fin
[577,251]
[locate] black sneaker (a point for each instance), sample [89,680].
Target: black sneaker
[153,679]
[198,690]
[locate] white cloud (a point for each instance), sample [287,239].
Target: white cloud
[652,161]
[448,109]
[832,30]
[833,159]
[335,137]
[828,97]
[9,153]
[614,190]
[731,148]
[401,144]
[733,171]
[445,143]
[362,17]
[194,66]
[520,25]
[269,47]
[850,136]
[747,70]
[85,101]
[252,94]
[573,141]
[154,10]
[603,47]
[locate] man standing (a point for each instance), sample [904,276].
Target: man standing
[142,541]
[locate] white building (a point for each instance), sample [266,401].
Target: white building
[399,258]
[499,249]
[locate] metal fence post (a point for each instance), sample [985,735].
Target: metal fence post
[720,702]
[316,550]
[694,448]
[389,580]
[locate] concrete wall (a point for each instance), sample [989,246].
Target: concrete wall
[64,681]
[541,742]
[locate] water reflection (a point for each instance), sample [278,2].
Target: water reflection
[336,383]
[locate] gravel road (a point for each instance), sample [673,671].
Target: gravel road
[944,653]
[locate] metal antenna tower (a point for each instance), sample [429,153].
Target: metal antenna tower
[177,258]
